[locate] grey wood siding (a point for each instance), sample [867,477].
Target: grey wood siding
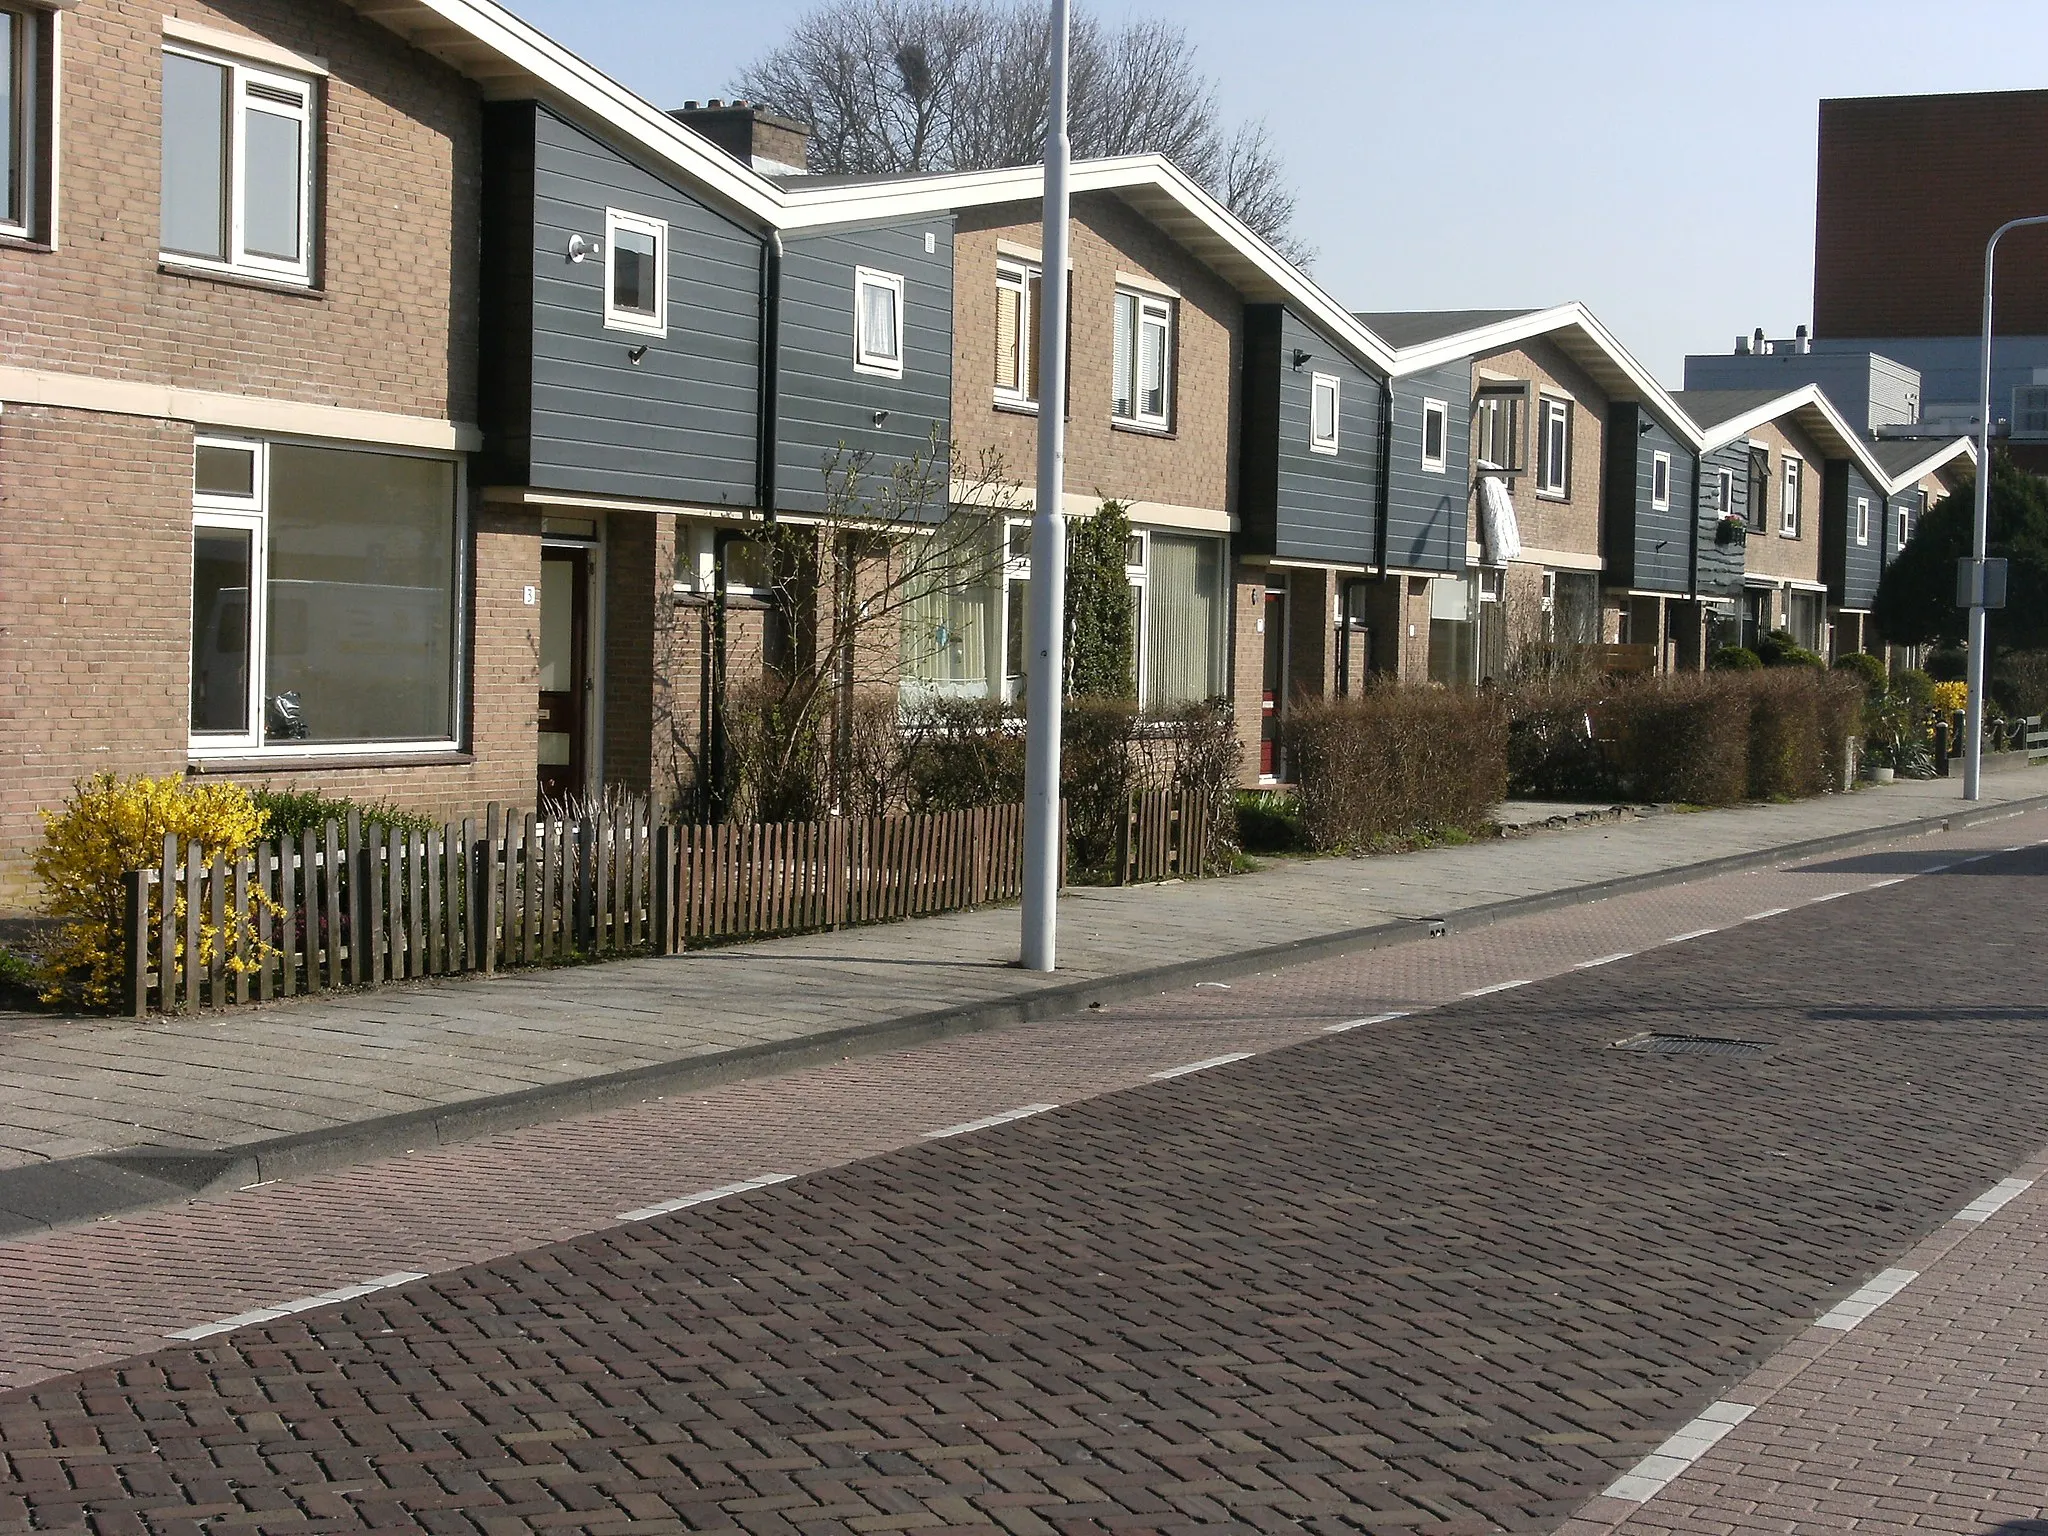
[1719,567]
[1294,502]
[683,423]
[1907,501]
[1427,510]
[1852,570]
[821,402]
[1647,548]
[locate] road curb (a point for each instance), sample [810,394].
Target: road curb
[46,1196]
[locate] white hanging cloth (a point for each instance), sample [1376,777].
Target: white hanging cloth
[1500,535]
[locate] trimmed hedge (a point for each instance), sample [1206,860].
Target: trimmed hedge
[1397,764]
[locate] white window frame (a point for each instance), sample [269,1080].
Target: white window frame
[865,358]
[1554,470]
[1660,470]
[1862,520]
[1319,385]
[1138,577]
[240,514]
[1793,482]
[616,319]
[1442,411]
[252,512]
[1148,309]
[1015,276]
[242,75]
[1724,492]
[28,107]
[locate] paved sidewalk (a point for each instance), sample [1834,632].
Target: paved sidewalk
[200,1084]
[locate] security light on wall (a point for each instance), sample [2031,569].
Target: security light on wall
[582,247]
[1301,357]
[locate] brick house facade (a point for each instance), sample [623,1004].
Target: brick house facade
[115,357]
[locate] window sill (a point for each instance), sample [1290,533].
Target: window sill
[14,240]
[1140,429]
[1542,495]
[1017,407]
[1784,535]
[273,762]
[241,280]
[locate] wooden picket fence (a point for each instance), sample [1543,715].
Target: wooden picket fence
[366,906]
[1168,834]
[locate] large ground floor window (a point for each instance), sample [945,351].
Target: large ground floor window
[325,597]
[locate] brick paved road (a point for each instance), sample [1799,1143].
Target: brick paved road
[1447,1274]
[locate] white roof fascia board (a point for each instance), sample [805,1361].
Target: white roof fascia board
[1808,400]
[1543,322]
[910,196]
[562,79]
[1948,452]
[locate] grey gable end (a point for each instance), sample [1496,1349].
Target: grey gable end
[1428,510]
[1297,503]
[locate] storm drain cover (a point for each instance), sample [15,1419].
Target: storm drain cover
[1652,1044]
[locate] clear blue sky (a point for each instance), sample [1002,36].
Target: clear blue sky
[1655,160]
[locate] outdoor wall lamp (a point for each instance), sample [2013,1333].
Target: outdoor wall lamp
[1301,357]
[635,354]
[880,417]
[582,247]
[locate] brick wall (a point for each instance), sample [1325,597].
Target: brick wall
[1194,465]
[1909,189]
[1769,553]
[393,327]
[95,632]
[1570,522]
[1247,664]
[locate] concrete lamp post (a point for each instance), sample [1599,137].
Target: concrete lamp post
[1980,538]
[1045,670]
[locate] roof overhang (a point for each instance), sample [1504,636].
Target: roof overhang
[1816,416]
[1940,456]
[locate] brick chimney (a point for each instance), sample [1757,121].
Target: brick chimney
[774,146]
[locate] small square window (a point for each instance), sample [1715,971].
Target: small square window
[1325,400]
[878,322]
[636,273]
[224,472]
[1436,432]
[1862,519]
[1660,482]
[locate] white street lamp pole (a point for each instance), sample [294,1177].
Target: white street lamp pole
[1980,538]
[1045,665]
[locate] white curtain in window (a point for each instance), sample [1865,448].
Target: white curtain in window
[1123,346]
[878,320]
[1185,580]
[1500,534]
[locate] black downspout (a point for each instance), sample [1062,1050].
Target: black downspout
[715,765]
[1379,552]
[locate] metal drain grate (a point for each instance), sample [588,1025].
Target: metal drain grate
[1652,1044]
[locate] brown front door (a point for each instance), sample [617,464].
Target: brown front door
[564,670]
[1273,690]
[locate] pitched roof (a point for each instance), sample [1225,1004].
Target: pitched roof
[1418,327]
[1711,408]
[1907,459]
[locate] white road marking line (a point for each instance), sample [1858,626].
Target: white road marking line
[1881,884]
[1757,917]
[988,1121]
[1498,986]
[1993,1200]
[1697,933]
[1374,1018]
[301,1304]
[1619,954]
[2015,848]
[1831,896]
[684,1202]
[1654,1472]
[1220,986]
[1935,869]
[1202,1066]
[1848,1314]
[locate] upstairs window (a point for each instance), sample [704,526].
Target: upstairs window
[1554,466]
[636,273]
[237,167]
[1018,292]
[1660,482]
[1325,398]
[878,323]
[1499,427]
[1141,361]
[1759,486]
[1788,517]
[23,135]
[1862,519]
[1436,431]
[1724,492]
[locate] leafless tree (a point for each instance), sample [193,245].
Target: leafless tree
[894,86]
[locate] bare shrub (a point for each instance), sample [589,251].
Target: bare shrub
[1398,764]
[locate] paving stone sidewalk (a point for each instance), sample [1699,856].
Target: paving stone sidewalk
[72,1088]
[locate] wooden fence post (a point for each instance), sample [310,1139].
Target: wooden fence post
[358,904]
[487,891]
[662,897]
[167,928]
[135,945]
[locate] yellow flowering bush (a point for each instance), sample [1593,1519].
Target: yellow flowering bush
[112,825]
[1950,698]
